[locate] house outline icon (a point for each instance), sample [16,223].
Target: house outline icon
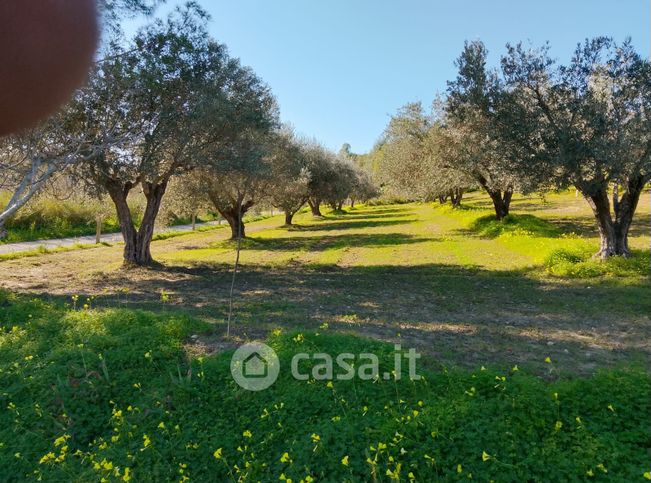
[255,366]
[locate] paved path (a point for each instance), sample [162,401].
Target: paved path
[84,240]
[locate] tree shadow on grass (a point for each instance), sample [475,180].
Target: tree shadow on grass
[548,227]
[328,225]
[326,242]
[368,216]
[461,315]
[365,211]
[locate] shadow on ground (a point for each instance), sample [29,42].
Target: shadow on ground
[320,243]
[458,315]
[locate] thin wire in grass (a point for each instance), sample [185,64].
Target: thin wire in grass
[237,262]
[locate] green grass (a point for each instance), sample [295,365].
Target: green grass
[579,263]
[460,287]
[514,226]
[93,392]
[42,250]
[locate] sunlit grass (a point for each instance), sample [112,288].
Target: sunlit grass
[422,234]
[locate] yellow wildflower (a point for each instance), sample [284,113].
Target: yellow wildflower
[344,460]
[47,458]
[61,440]
[285,458]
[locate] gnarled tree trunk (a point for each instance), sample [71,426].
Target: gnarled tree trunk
[233,211]
[137,243]
[600,205]
[234,219]
[501,198]
[315,206]
[613,232]
[501,202]
[289,216]
[455,197]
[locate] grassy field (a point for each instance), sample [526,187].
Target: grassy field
[440,280]
[536,357]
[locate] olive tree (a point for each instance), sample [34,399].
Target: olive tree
[184,199]
[288,189]
[363,189]
[342,185]
[175,97]
[236,180]
[586,124]
[474,145]
[417,158]
[322,171]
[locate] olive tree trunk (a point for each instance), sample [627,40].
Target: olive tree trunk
[613,232]
[455,197]
[315,206]
[501,198]
[137,243]
[235,221]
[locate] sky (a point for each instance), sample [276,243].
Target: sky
[341,68]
